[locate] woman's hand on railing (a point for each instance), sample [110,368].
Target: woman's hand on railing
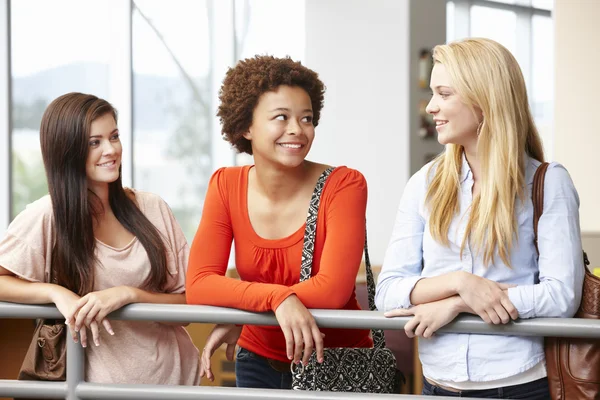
[428,317]
[487,298]
[300,330]
[65,301]
[92,309]
[222,333]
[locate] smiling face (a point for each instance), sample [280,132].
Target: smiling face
[455,121]
[104,152]
[282,129]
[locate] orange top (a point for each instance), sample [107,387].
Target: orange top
[270,269]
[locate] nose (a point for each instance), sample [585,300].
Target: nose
[293,127]
[109,148]
[432,106]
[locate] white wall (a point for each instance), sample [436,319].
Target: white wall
[360,50]
[577,101]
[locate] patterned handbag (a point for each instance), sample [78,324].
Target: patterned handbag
[365,370]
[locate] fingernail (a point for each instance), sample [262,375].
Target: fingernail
[76,329]
[83,345]
[320,360]
[97,343]
[111,332]
[67,321]
[289,357]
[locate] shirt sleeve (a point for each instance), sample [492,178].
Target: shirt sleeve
[25,248]
[177,250]
[560,262]
[206,282]
[402,264]
[333,284]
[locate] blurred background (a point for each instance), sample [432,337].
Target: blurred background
[161,64]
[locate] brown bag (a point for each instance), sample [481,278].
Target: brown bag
[573,364]
[46,358]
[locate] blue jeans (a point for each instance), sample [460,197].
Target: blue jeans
[254,371]
[536,390]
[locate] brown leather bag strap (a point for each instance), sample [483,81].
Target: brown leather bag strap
[537,197]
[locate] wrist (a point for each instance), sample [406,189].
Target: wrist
[458,304]
[130,295]
[52,291]
[457,281]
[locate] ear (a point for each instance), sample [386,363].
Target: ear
[248,135]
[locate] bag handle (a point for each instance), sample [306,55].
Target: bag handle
[537,197]
[309,248]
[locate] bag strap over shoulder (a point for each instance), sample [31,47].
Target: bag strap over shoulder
[309,248]
[537,197]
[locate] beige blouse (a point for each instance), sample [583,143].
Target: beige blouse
[139,352]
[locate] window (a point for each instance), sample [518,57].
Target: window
[172,102]
[525,28]
[70,51]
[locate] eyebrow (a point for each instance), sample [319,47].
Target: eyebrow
[100,136]
[288,110]
[441,87]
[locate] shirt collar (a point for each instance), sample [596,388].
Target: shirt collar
[465,169]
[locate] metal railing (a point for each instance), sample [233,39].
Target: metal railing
[75,388]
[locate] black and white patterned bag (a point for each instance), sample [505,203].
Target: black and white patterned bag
[365,370]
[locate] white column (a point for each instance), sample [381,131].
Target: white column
[120,78]
[5,117]
[360,49]
[576,138]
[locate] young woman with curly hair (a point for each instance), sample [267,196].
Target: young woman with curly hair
[464,237]
[270,108]
[91,247]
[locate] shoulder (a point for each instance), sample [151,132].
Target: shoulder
[154,208]
[36,214]
[422,178]
[146,200]
[346,178]
[555,174]
[229,178]
[558,182]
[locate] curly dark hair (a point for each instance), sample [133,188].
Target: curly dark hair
[248,80]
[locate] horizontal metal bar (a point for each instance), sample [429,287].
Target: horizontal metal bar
[161,392]
[348,319]
[33,389]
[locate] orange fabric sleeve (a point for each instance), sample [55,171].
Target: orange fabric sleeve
[206,282]
[334,283]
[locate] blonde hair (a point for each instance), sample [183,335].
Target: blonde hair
[486,75]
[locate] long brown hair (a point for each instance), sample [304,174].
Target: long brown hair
[64,137]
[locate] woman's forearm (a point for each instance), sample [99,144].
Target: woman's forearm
[16,290]
[436,288]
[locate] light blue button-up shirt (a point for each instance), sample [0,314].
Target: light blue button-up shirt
[548,286]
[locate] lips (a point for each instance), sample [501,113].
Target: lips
[107,164]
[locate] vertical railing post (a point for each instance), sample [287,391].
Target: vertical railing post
[75,367]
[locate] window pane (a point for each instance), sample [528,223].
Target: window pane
[499,25]
[260,28]
[542,93]
[450,30]
[172,104]
[70,52]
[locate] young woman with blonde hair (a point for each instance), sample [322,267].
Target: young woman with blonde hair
[463,239]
